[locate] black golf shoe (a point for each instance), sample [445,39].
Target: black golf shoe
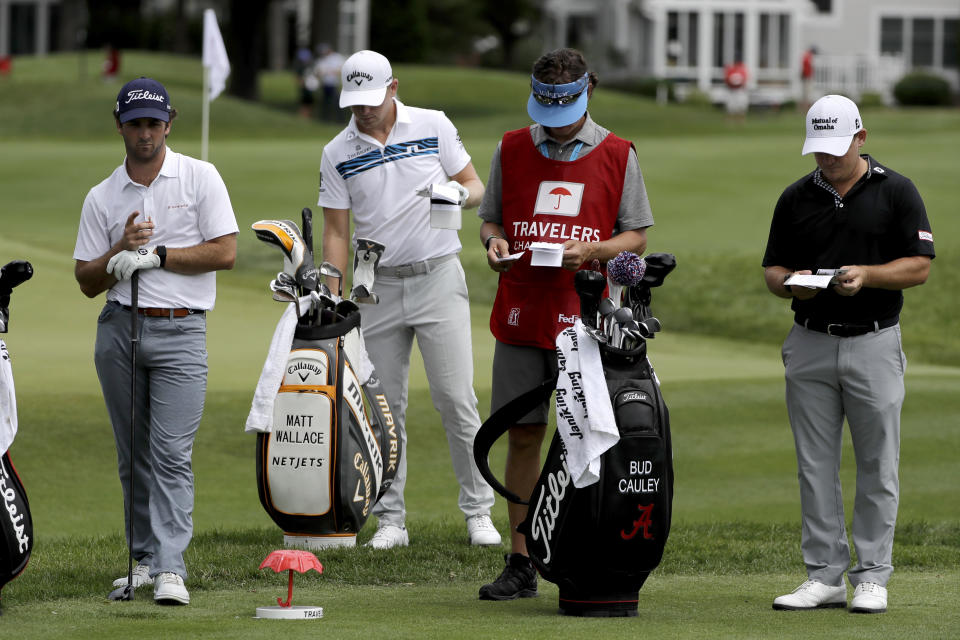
[517,580]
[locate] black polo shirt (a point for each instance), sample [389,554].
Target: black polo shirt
[881,219]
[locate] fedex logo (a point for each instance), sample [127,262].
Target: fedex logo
[559,199]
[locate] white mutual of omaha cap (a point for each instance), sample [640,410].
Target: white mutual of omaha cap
[832,122]
[364,79]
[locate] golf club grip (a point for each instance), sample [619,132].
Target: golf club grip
[307,217]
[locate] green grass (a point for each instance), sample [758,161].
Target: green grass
[712,184]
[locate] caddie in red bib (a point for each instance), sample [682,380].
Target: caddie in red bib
[550,201]
[563,193]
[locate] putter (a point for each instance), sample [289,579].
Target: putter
[125,592]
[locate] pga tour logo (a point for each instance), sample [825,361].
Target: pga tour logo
[926,235]
[514,318]
[559,199]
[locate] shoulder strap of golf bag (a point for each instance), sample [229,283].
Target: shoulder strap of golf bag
[16,523]
[498,424]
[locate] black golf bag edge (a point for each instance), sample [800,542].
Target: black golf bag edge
[16,520]
[328,504]
[598,543]
[16,524]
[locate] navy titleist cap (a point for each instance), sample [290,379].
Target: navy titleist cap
[143,98]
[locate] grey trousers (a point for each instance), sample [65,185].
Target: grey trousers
[860,378]
[171,386]
[433,307]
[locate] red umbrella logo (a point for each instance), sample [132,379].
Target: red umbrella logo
[291,560]
[559,192]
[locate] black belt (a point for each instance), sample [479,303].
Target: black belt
[846,329]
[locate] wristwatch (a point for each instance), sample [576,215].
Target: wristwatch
[486,243]
[161,252]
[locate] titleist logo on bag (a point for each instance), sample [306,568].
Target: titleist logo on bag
[548,506]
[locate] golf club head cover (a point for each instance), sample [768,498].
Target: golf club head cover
[366,257]
[589,286]
[12,275]
[334,447]
[16,523]
[297,259]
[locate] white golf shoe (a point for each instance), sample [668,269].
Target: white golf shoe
[869,597]
[141,576]
[481,531]
[389,536]
[812,595]
[168,589]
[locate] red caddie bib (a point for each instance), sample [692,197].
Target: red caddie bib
[548,200]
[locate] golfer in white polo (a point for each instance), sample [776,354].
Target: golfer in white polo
[374,168]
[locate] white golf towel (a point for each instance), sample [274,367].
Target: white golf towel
[260,417]
[585,417]
[8,401]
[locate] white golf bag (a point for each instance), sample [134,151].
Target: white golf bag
[327,444]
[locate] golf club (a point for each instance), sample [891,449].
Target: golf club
[328,270]
[589,286]
[125,592]
[606,309]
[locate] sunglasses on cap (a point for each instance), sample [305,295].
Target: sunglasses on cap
[560,94]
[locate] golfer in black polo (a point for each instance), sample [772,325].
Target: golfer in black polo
[843,355]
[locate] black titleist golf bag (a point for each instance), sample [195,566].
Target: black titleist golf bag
[332,448]
[600,542]
[16,523]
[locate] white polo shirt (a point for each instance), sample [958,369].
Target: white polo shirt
[188,203]
[379,182]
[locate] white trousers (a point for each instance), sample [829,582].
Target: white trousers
[433,307]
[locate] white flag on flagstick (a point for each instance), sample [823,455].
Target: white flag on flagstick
[214,55]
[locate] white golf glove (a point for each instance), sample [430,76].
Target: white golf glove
[464,193]
[125,263]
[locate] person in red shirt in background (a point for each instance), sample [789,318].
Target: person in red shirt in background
[564,179]
[806,76]
[735,76]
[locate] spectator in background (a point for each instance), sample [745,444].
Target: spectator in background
[806,76]
[327,71]
[306,82]
[735,77]
[111,62]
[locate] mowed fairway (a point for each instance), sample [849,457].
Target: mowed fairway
[735,542]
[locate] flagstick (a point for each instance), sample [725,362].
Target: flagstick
[205,127]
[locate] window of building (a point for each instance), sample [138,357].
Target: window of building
[951,34]
[922,42]
[823,6]
[23,28]
[728,36]
[891,36]
[682,38]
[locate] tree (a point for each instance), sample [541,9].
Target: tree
[244,39]
[508,18]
